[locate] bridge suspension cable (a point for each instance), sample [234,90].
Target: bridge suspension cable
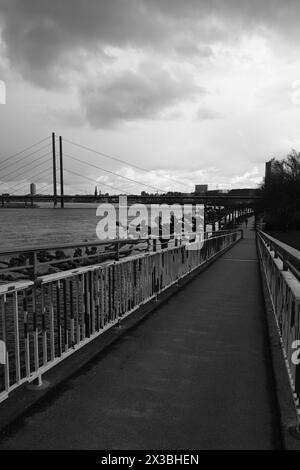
[90,179]
[13,164]
[14,189]
[119,160]
[25,150]
[113,173]
[15,172]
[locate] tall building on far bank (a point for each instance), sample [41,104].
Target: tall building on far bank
[97,191]
[32,189]
[201,188]
[268,173]
[272,170]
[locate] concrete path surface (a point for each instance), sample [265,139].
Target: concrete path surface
[194,375]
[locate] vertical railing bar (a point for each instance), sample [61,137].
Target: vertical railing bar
[77,310]
[92,302]
[102,300]
[83,306]
[72,314]
[97,301]
[65,304]
[35,330]
[58,318]
[44,330]
[6,365]
[26,334]
[113,292]
[16,336]
[51,320]
[87,305]
[110,309]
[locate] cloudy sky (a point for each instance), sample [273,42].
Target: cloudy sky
[196,91]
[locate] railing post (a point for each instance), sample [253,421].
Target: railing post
[33,262]
[5,358]
[16,336]
[117,251]
[35,332]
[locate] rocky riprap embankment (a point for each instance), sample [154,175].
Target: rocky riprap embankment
[17,267]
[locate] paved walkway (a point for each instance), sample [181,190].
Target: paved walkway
[194,375]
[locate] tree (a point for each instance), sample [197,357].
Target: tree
[281,194]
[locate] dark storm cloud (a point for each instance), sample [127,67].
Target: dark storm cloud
[135,95]
[45,41]
[282,14]
[41,35]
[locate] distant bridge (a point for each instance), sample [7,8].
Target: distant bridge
[223,200]
[50,160]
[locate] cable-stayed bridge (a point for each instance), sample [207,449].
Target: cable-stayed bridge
[46,164]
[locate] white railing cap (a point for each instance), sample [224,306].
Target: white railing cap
[289,249]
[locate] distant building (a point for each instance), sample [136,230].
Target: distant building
[201,188]
[32,189]
[268,173]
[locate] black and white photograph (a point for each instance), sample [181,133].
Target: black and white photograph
[149,229]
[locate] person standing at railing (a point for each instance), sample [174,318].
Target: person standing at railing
[246,222]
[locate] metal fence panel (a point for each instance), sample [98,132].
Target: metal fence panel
[44,321]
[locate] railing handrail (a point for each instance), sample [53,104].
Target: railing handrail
[38,248]
[125,241]
[19,284]
[277,260]
[290,256]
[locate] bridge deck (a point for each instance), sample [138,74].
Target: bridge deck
[194,375]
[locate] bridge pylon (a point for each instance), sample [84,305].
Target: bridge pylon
[54,171]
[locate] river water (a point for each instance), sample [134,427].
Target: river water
[39,226]
[20,227]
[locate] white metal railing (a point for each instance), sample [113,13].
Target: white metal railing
[281,265]
[44,320]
